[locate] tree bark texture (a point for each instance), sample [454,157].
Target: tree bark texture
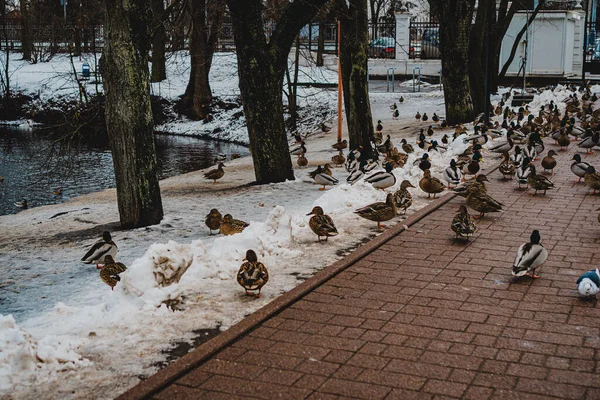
[159,40]
[26,30]
[455,18]
[262,63]
[321,44]
[129,113]
[477,54]
[354,59]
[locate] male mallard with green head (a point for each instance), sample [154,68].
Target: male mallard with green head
[321,224]
[252,275]
[379,211]
[101,249]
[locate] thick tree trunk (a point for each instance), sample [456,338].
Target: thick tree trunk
[129,113]
[159,40]
[261,66]
[321,44]
[26,30]
[455,18]
[354,58]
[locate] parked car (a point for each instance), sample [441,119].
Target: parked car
[383,47]
[430,43]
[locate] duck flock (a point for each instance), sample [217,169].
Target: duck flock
[515,135]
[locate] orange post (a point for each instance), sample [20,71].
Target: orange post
[339,37]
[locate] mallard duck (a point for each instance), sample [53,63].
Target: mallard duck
[421,141]
[425,163]
[220,157]
[379,212]
[357,173]
[57,192]
[590,142]
[563,139]
[109,272]
[530,256]
[445,139]
[402,197]
[386,146]
[588,284]
[235,156]
[473,167]
[253,275]
[382,179]
[213,220]
[444,124]
[100,249]
[435,118]
[340,145]
[538,182]
[298,151]
[480,201]
[302,161]
[523,172]
[230,226]
[478,184]
[592,179]
[401,99]
[393,106]
[379,127]
[505,146]
[327,169]
[24,204]
[507,168]
[324,128]
[297,138]
[549,162]
[463,224]
[321,224]
[430,184]
[338,159]
[352,160]
[325,180]
[452,174]
[579,168]
[407,148]
[430,131]
[424,118]
[396,114]
[215,174]
[418,116]
[529,151]
[314,173]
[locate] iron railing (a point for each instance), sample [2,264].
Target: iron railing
[424,42]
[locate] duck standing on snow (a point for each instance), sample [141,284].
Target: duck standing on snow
[579,168]
[549,162]
[321,224]
[325,180]
[213,220]
[463,224]
[418,116]
[435,118]
[402,196]
[252,275]
[430,184]
[538,182]
[407,148]
[379,127]
[358,173]
[588,284]
[530,256]
[324,128]
[302,161]
[340,145]
[101,249]
[425,163]
[298,151]
[338,159]
[109,272]
[424,118]
[382,179]
[24,204]
[230,226]
[379,212]
[452,174]
[215,174]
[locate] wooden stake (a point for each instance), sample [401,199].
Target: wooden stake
[339,37]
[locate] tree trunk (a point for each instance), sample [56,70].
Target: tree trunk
[477,53]
[455,18]
[321,44]
[129,113]
[354,59]
[261,66]
[159,39]
[26,31]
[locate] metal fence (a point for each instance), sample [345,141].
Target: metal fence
[50,39]
[592,48]
[382,38]
[424,42]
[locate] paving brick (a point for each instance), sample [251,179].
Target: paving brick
[359,390]
[445,388]
[177,392]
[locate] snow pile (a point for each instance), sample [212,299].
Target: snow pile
[22,355]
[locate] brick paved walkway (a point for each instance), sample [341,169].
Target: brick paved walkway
[425,317]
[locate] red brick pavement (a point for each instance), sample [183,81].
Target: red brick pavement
[426,317]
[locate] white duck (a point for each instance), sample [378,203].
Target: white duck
[588,284]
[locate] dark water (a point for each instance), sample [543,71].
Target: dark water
[37,169]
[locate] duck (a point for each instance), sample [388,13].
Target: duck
[549,162]
[340,145]
[252,275]
[578,167]
[215,174]
[100,249]
[1,179]
[463,224]
[382,179]
[445,139]
[300,150]
[430,184]
[590,142]
[379,127]
[357,173]
[421,141]
[517,157]
[57,192]
[435,118]
[473,167]
[538,182]
[396,114]
[235,156]
[319,170]
[430,130]
[110,270]
[523,172]
[480,201]
[402,197]
[592,179]
[352,160]
[418,116]
[230,226]
[24,204]
[379,212]
[338,159]
[444,124]
[385,146]
[507,168]
[563,140]
[297,138]
[213,220]
[452,174]
[401,99]
[302,161]
[321,224]
[220,157]
[588,284]
[478,184]
[425,163]
[407,148]
[325,180]
[530,257]
[393,106]
[529,151]
[324,128]
[424,118]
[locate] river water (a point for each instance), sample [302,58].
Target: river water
[42,172]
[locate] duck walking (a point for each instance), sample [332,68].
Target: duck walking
[252,275]
[321,224]
[507,168]
[530,256]
[215,174]
[213,220]
[230,226]
[407,148]
[379,211]
[480,201]
[538,182]
[579,168]
[588,284]
[300,150]
[101,249]
[109,272]
[549,162]
[430,184]
[592,179]
[382,179]
[463,224]
[452,174]
[402,196]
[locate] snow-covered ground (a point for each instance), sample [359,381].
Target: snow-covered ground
[96,343]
